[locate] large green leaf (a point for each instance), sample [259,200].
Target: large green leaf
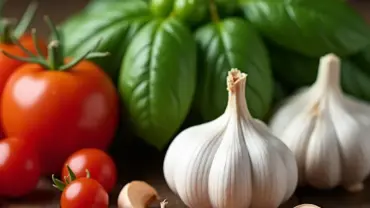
[115,22]
[232,43]
[158,78]
[362,59]
[311,27]
[292,69]
[300,70]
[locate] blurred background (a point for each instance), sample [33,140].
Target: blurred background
[59,10]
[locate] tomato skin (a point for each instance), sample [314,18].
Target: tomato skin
[100,165]
[84,192]
[60,111]
[19,168]
[8,65]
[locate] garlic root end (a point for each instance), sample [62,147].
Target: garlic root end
[355,187]
[234,76]
[164,203]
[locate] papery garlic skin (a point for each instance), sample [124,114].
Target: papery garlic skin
[327,131]
[232,161]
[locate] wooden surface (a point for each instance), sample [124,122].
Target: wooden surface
[147,163]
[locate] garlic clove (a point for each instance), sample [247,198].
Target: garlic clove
[306,206]
[355,147]
[200,143]
[137,194]
[282,118]
[322,167]
[288,158]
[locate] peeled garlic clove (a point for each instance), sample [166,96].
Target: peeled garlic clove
[327,131]
[306,206]
[137,194]
[232,161]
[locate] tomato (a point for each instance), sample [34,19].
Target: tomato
[84,192]
[60,104]
[8,65]
[19,168]
[81,192]
[99,163]
[60,111]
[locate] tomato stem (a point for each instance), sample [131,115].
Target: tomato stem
[58,183]
[213,10]
[6,33]
[88,175]
[56,56]
[26,19]
[71,174]
[9,27]
[36,43]
[67,179]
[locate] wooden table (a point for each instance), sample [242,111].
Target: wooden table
[147,163]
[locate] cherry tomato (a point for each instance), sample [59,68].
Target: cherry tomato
[19,168]
[100,165]
[8,65]
[60,111]
[84,192]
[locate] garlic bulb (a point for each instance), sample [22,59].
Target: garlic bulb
[232,161]
[327,131]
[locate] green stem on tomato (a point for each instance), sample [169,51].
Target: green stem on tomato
[213,11]
[36,43]
[26,20]
[6,31]
[60,185]
[56,56]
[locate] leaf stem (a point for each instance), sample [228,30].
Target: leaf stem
[26,19]
[213,10]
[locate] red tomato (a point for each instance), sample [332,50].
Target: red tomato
[99,164]
[84,192]
[60,111]
[8,65]
[19,168]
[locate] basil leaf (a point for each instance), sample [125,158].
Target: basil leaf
[301,70]
[362,59]
[115,22]
[292,69]
[232,43]
[311,27]
[158,78]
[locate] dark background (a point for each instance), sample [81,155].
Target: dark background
[59,10]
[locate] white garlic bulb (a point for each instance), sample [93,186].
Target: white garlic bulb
[233,161]
[327,131]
